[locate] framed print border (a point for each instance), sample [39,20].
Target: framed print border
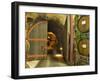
[15,38]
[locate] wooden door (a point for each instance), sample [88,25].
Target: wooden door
[37,37]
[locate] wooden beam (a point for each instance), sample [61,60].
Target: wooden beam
[71,39]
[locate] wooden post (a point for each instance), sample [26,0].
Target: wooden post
[71,40]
